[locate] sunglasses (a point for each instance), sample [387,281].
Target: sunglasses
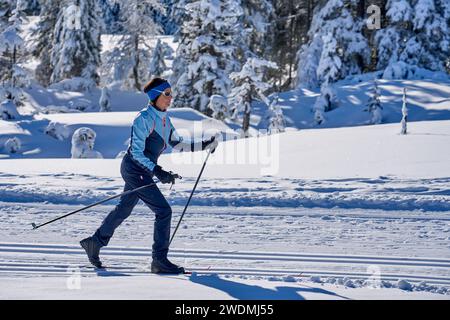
[165,93]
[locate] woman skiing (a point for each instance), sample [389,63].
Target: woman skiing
[151,132]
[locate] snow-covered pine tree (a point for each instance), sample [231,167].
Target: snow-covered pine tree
[11,44]
[248,87]
[138,25]
[177,14]
[110,14]
[404,114]
[417,35]
[44,34]
[208,52]
[432,30]
[157,64]
[256,19]
[76,42]
[105,104]
[374,105]
[336,46]
[390,41]
[6,8]
[276,119]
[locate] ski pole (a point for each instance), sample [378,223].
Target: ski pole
[91,205]
[189,200]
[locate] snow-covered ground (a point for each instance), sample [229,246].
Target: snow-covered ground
[330,214]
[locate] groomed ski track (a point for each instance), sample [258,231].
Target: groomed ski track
[32,259]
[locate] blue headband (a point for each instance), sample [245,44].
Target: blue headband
[154,93]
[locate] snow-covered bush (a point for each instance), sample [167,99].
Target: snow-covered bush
[327,101]
[74,84]
[105,105]
[8,110]
[57,130]
[83,140]
[399,70]
[13,145]
[81,105]
[219,106]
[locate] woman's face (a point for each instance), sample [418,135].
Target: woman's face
[163,101]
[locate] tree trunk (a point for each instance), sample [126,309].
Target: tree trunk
[137,84]
[361,8]
[246,124]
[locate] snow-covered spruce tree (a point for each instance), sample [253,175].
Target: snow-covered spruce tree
[391,40]
[417,35]
[256,19]
[105,105]
[12,45]
[110,14]
[248,87]
[432,29]
[327,101]
[6,8]
[208,52]
[133,49]
[404,114]
[276,119]
[177,13]
[373,105]
[44,34]
[157,64]
[336,46]
[76,42]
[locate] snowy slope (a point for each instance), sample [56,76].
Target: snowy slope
[364,167]
[427,99]
[112,128]
[345,205]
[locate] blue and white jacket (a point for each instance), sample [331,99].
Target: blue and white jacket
[151,133]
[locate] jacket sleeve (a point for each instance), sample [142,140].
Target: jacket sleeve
[177,142]
[140,131]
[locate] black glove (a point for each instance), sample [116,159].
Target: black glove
[164,176]
[211,143]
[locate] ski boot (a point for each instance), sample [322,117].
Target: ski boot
[163,265]
[92,249]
